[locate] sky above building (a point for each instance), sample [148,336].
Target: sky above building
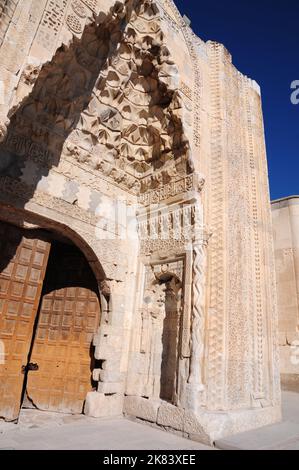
[263,38]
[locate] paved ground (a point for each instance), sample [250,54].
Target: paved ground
[281,436]
[39,430]
[42,430]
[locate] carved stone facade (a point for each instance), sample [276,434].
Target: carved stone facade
[285,215]
[144,145]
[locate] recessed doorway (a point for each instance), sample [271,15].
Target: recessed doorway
[49,312]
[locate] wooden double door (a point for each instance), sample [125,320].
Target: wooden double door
[49,311]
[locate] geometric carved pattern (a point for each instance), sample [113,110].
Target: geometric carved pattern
[198,315]
[216,320]
[273,349]
[78,8]
[122,117]
[74,24]
[197,83]
[133,118]
[51,23]
[54,14]
[91,4]
[7,9]
[258,382]
[110,100]
[240,306]
[22,269]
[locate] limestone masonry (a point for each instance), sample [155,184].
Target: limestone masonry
[127,139]
[285,214]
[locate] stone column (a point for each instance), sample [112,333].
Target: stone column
[195,380]
[197,329]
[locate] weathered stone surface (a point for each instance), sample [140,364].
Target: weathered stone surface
[124,132]
[109,376]
[204,427]
[98,405]
[172,416]
[110,387]
[285,216]
[142,408]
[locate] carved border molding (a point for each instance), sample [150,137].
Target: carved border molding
[169,228]
[25,147]
[7,10]
[191,40]
[179,265]
[188,265]
[39,153]
[216,324]
[24,193]
[193,182]
[259,307]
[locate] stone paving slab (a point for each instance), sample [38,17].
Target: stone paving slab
[82,433]
[290,406]
[44,430]
[280,436]
[268,437]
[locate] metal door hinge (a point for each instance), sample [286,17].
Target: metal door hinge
[29,366]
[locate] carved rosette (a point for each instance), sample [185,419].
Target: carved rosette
[74,24]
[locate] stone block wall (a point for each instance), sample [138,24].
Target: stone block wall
[285,215]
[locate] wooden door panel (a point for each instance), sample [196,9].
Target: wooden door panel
[23,261]
[68,318]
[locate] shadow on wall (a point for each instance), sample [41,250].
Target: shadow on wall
[62,102]
[170,342]
[40,126]
[171,339]
[68,278]
[61,92]
[33,146]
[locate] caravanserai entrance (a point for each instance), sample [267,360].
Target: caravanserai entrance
[49,311]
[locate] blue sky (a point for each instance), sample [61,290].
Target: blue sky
[263,38]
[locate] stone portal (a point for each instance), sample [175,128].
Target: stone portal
[145,146]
